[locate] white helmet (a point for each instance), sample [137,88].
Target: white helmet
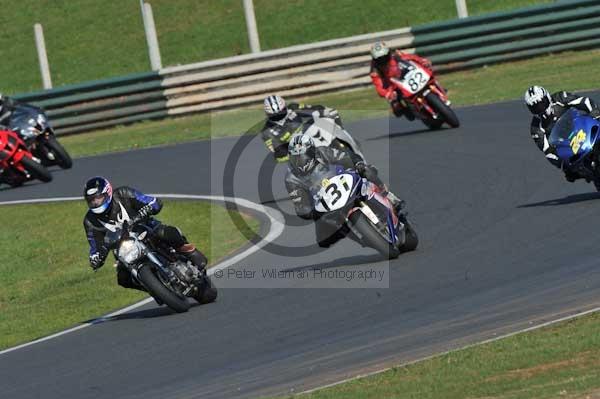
[302,152]
[275,107]
[379,50]
[538,100]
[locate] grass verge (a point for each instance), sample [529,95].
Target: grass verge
[560,361]
[47,284]
[80,34]
[565,71]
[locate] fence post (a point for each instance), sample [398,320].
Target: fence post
[40,45]
[151,37]
[461,8]
[251,26]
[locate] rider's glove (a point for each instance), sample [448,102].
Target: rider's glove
[96,261]
[145,211]
[391,95]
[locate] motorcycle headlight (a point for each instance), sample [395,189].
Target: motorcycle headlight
[130,251]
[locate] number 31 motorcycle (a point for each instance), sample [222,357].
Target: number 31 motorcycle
[355,206]
[423,95]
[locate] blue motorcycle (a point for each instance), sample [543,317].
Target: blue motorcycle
[354,205]
[574,138]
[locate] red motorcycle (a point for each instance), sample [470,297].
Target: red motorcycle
[17,165]
[423,96]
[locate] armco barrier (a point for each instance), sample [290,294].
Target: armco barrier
[317,68]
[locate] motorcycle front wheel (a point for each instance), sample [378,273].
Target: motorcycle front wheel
[158,290]
[441,108]
[61,156]
[371,236]
[36,170]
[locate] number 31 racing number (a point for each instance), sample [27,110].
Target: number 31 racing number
[334,194]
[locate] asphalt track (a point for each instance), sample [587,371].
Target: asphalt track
[505,243]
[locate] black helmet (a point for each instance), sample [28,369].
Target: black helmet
[538,100]
[98,194]
[302,152]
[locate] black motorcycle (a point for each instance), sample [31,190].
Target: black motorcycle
[166,275]
[32,125]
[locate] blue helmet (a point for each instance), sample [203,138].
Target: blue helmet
[98,194]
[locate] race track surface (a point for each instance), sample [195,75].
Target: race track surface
[506,243]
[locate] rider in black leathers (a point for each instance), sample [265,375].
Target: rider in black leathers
[546,110]
[307,165]
[283,121]
[110,210]
[7,105]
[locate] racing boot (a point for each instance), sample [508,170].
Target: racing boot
[193,255]
[397,203]
[571,176]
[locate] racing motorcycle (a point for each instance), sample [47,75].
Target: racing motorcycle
[17,164]
[574,138]
[32,125]
[324,131]
[168,276]
[356,207]
[423,96]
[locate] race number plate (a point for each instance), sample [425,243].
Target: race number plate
[334,193]
[415,79]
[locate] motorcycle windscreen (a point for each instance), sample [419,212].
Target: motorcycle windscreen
[573,136]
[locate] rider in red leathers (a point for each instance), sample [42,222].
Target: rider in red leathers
[384,65]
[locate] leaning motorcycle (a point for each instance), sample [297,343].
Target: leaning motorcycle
[423,96]
[32,125]
[324,131]
[17,164]
[167,276]
[356,207]
[574,138]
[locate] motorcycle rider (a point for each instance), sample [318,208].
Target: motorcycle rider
[307,164]
[546,110]
[108,210]
[284,120]
[384,66]
[7,104]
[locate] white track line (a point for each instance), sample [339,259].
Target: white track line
[486,341]
[275,229]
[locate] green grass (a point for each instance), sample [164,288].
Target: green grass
[570,71]
[47,284]
[90,39]
[562,361]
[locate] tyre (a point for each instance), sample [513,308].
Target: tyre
[443,110]
[412,239]
[208,294]
[158,290]
[36,170]
[372,237]
[433,124]
[61,156]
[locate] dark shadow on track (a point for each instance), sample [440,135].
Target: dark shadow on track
[393,135]
[571,199]
[340,262]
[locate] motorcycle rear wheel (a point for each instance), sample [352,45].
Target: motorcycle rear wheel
[36,170]
[158,290]
[371,237]
[441,108]
[412,239]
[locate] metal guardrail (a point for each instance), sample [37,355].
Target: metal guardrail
[317,68]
